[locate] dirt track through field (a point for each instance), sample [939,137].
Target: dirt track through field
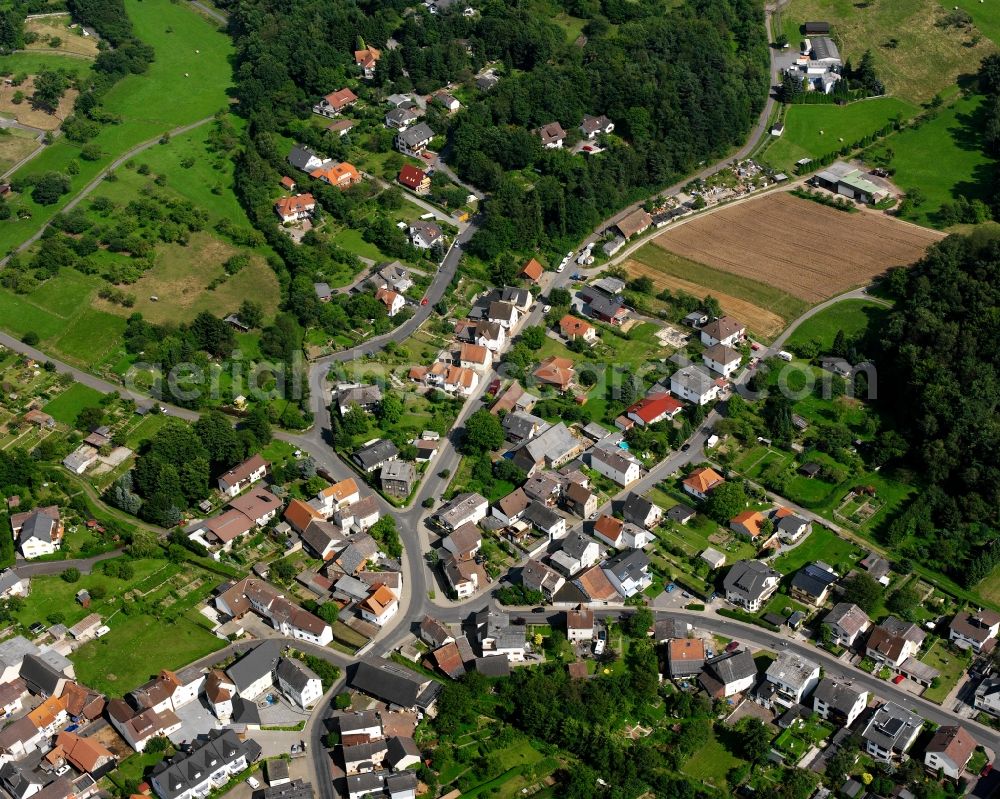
[806,249]
[760,321]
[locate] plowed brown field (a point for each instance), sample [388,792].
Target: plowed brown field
[806,249]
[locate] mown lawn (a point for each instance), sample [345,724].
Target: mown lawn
[74,399]
[711,763]
[820,544]
[133,651]
[851,316]
[815,130]
[951,666]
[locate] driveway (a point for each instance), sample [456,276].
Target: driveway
[196,720]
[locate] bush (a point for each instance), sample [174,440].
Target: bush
[30,338]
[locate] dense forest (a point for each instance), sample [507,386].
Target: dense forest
[682,85]
[939,379]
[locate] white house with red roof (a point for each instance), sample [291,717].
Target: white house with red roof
[655,408]
[292,209]
[393,302]
[335,102]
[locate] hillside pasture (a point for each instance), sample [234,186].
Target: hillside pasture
[851,316]
[15,146]
[808,250]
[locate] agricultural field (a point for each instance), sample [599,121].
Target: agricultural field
[853,317]
[812,131]
[914,56]
[829,253]
[55,35]
[943,157]
[16,145]
[765,310]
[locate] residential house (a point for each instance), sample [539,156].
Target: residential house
[380,606]
[573,328]
[552,136]
[360,723]
[893,641]
[729,674]
[616,464]
[580,500]
[366,60]
[520,428]
[722,359]
[544,488]
[518,297]
[372,456]
[462,576]
[555,371]
[292,209]
[243,475]
[81,459]
[545,520]
[621,535]
[424,235]
[357,555]
[654,408]
[393,302]
[694,384]
[634,223]
[285,616]
[551,449]
[305,159]
[400,118]
[595,585]
[358,517]
[812,583]
[340,176]
[465,542]
[138,729]
[578,552]
[323,292]
[475,357]
[669,627]
[685,657]
[397,478]
[975,630]
[987,698]
[206,766]
[591,127]
[789,527]
[725,330]
[579,624]
[499,636]
[890,732]
[510,508]
[39,419]
[414,179]
[393,276]
[322,539]
[794,678]
[949,751]
[490,335]
[446,101]
[641,512]
[846,622]
[402,753]
[38,531]
[18,739]
[463,509]
[366,397]
[629,572]
[414,140]
[750,583]
[19,782]
[838,702]
[504,314]
[340,495]
[701,482]
[341,126]
[434,633]
[86,755]
[682,514]
[537,576]
[610,310]
[335,102]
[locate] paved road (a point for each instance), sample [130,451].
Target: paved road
[218,16]
[86,190]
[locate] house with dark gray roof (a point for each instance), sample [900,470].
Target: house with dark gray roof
[372,456]
[305,158]
[629,572]
[414,140]
[890,732]
[206,766]
[298,682]
[398,687]
[750,583]
[838,701]
[253,673]
[42,678]
[812,583]
[640,511]
[729,674]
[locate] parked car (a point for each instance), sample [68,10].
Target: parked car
[987,770]
[671,588]
[253,782]
[546,309]
[732,646]
[423,301]
[685,447]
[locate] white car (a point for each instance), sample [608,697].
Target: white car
[546,308]
[253,782]
[560,267]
